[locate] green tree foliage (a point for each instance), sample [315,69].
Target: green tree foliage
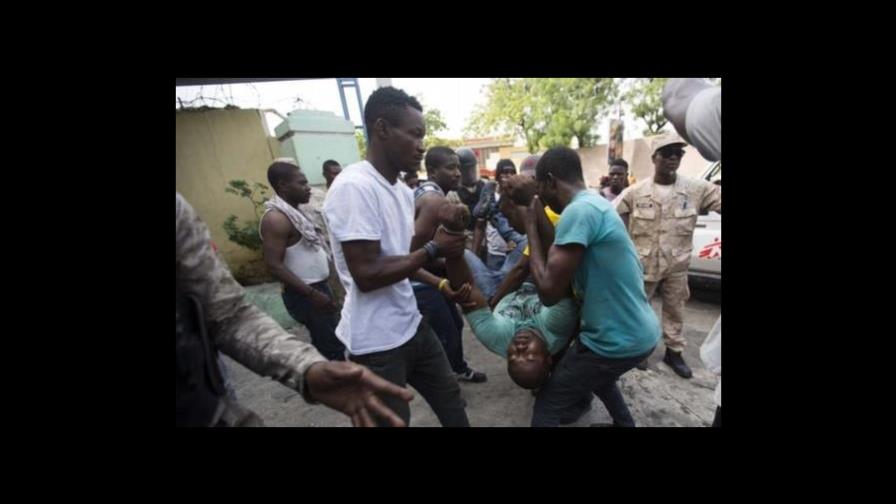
[545,112]
[246,234]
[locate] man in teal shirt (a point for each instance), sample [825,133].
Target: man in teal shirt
[520,328]
[592,252]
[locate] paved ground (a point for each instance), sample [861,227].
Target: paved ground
[657,397]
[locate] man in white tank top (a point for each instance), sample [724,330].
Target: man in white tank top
[297,253]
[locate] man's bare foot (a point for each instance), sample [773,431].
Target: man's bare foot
[520,189]
[454,217]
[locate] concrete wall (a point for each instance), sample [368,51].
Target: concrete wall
[211,148]
[638,155]
[635,152]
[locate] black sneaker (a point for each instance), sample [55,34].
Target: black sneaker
[472,376]
[486,203]
[676,362]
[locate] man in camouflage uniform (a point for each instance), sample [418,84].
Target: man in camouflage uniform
[660,214]
[212,313]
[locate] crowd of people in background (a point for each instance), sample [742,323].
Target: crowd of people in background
[551,275]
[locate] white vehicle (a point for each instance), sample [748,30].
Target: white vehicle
[705,270]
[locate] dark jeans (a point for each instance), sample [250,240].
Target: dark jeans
[321,324]
[717,421]
[420,362]
[579,373]
[444,319]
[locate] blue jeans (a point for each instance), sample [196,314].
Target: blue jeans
[445,321]
[321,325]
[494,262]
[579,373]
[488,279]
[503,227]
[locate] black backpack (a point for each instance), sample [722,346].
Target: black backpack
[200,387]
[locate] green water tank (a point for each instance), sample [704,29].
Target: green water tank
[313,136]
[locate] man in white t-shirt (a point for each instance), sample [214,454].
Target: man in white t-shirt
[370,214]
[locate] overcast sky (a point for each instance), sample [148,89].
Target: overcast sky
[456,98]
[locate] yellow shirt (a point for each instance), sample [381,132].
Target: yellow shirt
[553,217]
